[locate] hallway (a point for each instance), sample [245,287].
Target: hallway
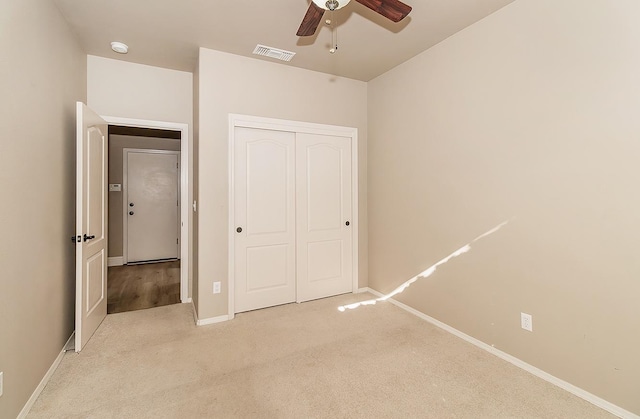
[136,287]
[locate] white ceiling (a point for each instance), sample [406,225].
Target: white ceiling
[167,33]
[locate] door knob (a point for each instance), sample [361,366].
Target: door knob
[85,237]
[130,204]
[347,223]
[130,212]
[239,229]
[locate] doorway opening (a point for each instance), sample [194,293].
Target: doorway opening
[145,253]
[140,286]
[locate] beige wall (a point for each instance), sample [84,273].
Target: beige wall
[196,136]
[127,90]
[531,113]
[234,84]
[117,143]
[42,75]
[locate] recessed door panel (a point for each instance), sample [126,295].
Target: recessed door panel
[96,183]
[96,281]
[324,187]
[267,267]
[324,260]
[267,187]
[264,217]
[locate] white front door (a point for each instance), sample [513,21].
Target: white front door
[91,223]
[324,223]
[151,204]
[264,170]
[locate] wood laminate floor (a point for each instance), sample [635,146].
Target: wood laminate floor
[136,287]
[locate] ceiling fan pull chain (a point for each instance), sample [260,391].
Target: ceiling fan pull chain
[334,35]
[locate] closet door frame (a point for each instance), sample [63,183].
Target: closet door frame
[248,121]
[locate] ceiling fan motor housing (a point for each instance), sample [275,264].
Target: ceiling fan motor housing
[331,4]
[394,10]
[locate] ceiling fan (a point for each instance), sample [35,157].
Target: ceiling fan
[394,10]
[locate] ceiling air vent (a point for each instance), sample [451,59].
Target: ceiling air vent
[276,53]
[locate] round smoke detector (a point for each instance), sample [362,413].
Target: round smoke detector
[119,47]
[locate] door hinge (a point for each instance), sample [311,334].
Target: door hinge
[177,242]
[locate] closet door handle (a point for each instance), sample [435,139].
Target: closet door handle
[239,229]
[347,223]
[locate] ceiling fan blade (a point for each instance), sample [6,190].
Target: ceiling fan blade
[394,10]
[311,20]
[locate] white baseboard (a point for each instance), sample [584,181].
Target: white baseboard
[212,320]
[36,393]
[362,290]
[583,394]
[115,261]
[187,300]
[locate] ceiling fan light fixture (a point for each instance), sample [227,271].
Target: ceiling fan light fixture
[331,4]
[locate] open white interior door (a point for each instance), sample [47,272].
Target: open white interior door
[91,223]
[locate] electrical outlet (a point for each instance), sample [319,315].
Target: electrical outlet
[1,377]
[526,321]
[216,287]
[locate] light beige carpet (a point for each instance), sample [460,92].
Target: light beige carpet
[294,361]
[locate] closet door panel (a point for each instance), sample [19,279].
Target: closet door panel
[323,203]
[264,181]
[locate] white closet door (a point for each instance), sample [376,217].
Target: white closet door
[323,201]
[264,170]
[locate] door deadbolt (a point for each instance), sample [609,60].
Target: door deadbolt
[130,204]
[130,212]
[239,229]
